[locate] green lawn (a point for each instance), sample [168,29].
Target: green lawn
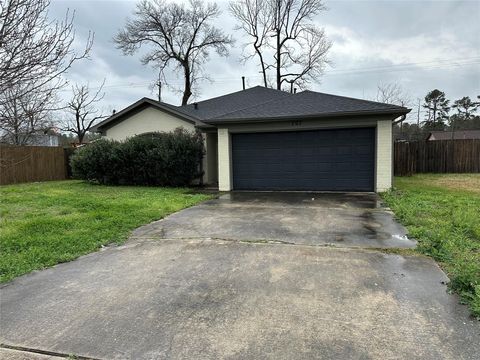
[43,224]
[443,213]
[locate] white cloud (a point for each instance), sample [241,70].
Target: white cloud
[371,41]
[421,49]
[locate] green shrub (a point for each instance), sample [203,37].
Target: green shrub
[95,162]
[162,159]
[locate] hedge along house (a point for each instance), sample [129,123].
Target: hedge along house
[265,139]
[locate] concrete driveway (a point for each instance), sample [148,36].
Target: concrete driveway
[245,276]
[356,220]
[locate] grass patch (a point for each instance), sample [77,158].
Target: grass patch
[442,212]
[43,224]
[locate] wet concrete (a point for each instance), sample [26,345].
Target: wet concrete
[211,299]
[355,220]
[175,290]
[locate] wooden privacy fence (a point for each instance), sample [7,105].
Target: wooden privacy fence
[19,164]
[439,156]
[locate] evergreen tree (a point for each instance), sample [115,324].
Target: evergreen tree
[437,105]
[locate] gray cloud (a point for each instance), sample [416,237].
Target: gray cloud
[372,42]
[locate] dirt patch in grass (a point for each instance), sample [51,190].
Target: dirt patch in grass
[466,182]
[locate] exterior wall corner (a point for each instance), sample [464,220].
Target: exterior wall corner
[384,156]
[224,160]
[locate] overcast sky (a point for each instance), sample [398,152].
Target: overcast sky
[421,45]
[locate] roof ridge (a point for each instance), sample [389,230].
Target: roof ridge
[351,98]
[232,93]
[254,106]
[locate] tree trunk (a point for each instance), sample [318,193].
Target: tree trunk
[16,137]
[279,82]
[187,91]
[264,71]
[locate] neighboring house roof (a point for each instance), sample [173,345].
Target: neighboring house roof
[456,135]
[259,104]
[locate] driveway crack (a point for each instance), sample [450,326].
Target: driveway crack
[45,352]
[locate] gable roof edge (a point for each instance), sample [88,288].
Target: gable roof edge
[117,117]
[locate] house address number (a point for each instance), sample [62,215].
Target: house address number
[296,123]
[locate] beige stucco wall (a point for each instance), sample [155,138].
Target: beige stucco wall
[148,120]
[384,157]
[383,173]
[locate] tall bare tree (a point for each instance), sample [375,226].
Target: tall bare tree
[82,110]
[35,50]
[180,37]
[256,21]
[285,39]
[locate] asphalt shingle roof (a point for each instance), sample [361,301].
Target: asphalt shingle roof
[260,103]
[237,101]
[307,104]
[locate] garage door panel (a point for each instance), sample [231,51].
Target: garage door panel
[307,160]
[363,150]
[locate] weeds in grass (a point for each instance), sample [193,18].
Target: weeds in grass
[446,223]
[43,224]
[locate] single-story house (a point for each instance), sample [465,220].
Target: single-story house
[266,139]
[455,135]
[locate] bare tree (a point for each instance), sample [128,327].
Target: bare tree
[35,50]
[24,114]
[283,31]
[82,111]
[34,54]
[256,21]
[181,37]
[392,93]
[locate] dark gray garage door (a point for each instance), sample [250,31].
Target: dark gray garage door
[341,160]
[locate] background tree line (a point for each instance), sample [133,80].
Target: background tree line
[432,113]
[439,114]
